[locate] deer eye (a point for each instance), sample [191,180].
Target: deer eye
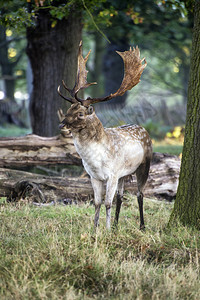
[81,115]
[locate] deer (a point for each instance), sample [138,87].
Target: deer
[108,154]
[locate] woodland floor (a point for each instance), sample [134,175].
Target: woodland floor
[54,253]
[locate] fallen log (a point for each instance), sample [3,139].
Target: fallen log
[16,185]
[32,150]
[162,183]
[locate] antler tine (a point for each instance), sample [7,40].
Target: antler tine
[81,81]
[133,69]
[71,100]
[69,90]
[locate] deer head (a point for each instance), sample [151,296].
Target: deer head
[81,109]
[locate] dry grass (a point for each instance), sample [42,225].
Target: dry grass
[53,253]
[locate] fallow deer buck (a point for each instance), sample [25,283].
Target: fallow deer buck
[109,154]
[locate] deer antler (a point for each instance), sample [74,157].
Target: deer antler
[133,69]
[81,80]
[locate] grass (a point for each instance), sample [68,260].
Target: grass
[170,149]
[163,146]
[9,130]
[53,253]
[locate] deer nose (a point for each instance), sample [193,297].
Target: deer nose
[62,124]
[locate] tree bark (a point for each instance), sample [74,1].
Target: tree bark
[96,75]
[53,55]
[187,204]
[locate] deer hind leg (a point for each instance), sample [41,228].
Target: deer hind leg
[120,191]
[142,173]
[110,193]
[98,195]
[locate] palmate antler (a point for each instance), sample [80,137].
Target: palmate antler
[133,69]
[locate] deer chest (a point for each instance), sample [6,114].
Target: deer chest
[103,160]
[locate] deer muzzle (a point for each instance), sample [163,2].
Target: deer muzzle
[63,124]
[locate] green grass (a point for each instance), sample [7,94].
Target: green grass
[174,147]
[53,253]
[13,130]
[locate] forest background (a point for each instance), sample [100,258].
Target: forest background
[161,29]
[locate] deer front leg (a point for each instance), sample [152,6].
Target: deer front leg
[110,193]
[98,194]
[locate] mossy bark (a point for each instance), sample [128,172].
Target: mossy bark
[187,204]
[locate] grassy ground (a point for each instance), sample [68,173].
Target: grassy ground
[170,147]
[53,253]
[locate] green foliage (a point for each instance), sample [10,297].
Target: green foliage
[156,130]
[164,139]
[14,14]
[20,13]
[176,133]
[168,38]
[53,253]
[174,4]
[189,4]
[162,29]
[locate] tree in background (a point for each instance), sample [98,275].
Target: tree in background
[166,32]
[52,50]
[160,28]
[53,33]
[12,50]
[54,30]
[187,204]
[9,61]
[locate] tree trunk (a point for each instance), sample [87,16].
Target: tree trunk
[187,204]
[53,55]
[96,75]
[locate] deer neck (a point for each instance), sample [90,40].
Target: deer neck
[91,131]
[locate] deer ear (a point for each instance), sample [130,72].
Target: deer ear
[90,110]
